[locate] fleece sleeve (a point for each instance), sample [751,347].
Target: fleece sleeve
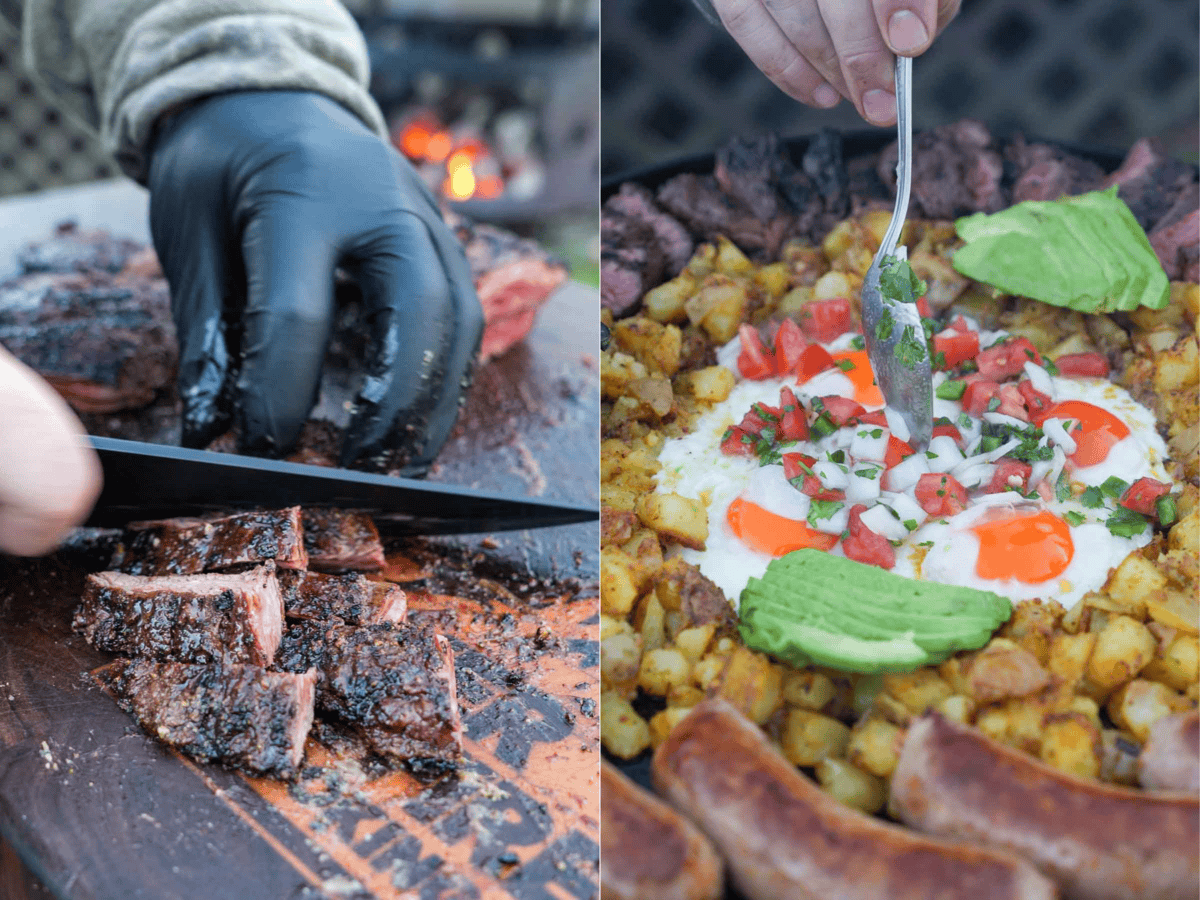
[118,65]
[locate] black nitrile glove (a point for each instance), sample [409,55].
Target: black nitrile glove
[255,198]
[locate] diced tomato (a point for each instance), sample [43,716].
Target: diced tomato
[960,323]
[1089,365]
[842,410]
[758,417]
[956,346]
[978,395]
[948,429]
[874,417]
[940,494]
[896,451]
[1035,401]
[755,361]
[924,310]
[737,443]
[864,545]
[823,493]
[789,345]
[1143,494]
[792,465]
[1007,359]
[813,359]
[1006,468]
[793,421]
[1012,403]
[825,320]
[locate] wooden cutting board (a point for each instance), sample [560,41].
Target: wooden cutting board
[95,809]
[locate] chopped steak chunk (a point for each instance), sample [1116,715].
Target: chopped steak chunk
[1150,182]
[72,250]
[338,540]
[303,646]
[956,170]
[241,715]
[188,546]
[1044,172]
[351,598]
[396,684]
[191,618]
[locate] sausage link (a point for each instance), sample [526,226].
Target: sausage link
[1170,761]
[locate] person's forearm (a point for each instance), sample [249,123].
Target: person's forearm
[118,65]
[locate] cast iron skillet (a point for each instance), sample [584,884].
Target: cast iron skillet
[855,144]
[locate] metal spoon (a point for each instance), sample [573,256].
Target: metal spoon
[908,389]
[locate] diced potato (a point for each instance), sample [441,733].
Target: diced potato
[716,290]
[1133,580]
[730,259]
[850,784]
[1002,669]
[874,746]
[807,689]
[686,695]
[891,709]
[676,517]
[845,235]
[664,721]
[795,299]
[1141,703]
[620,659]
[650,613]
[1032,625]
[1071,742]
[1186,295]
[722,321]
[711,384]
[623,732]
[1176,368]
[692,642]
[665,303]
[619,574]
[1017,723]
[773,278]
[956,672]
[631,467]
[1122,650]
[702,262]
[661,669]
[809,737]
[616,371]
[707,670]
[1086,707]
[833,284]
[957,708]
[752,684]
[1178,665]
[653,394]
[875,223]
[1185,534]
[621,499]
[807,263]
[656,346]
[918,690]
[1176,609]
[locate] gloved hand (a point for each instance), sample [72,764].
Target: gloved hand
[255,198]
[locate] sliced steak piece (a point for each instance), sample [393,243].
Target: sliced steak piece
[241,715]
[699,203]
[1043,172]
[71,250]
[349,598]
[396,685]
[338,540]
[956,170]
[105,345]
[187,546]
[513,277]
[1176,237]
[303,646]
[631,261]
[673,240]
[237,617]
[1150,181]
[747,169]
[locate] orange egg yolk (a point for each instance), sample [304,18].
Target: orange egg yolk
[1096,433]
[1029,548]
[767,532]
[862,376]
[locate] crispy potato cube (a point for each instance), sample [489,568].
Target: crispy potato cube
[809,737]
[1071,742]
[711,384]
[1141,703]
[722,321]
[875,223]
[1133,580]
[833,284]
[1185,534]
[1002,669]
[1118,757]
[1175,609]
[653,394]
[673,516]
[620,659]
[808,690]
[957,708]
[1186,295]
[666,302]
[956,672]
[807,263]
[773,279]
[752,684]
[1176,368]
[918,690]
[692,642]
[707,670]
[655,345]
[661,669]
[1178,665]
[1033,625]
[650,622]
[1122,650]
[844,236]
[730,259]
[795,299]
[850,784]
[616,371]
[1017,723]
[623,732]
[702,262]
[664,721]
[619,576]
[874,746]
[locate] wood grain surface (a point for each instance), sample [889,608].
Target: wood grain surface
[95,809]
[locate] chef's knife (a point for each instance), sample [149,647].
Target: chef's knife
[150,481]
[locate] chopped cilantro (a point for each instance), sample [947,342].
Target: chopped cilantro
[1030,449]
[910,524]
[951,390]
[1074,518]
[1114,487]
[929,454]
[1049,366]
[993,404]
[858,342]
[764,413]
[939,360]
[866,473]
[838,456]
[807,469]
[883,328]
[1126,523]
[910,351]
[822,425]
[1092,498]
[897,281]
[819,510]
[845,365]
[1062,488]
[877,433]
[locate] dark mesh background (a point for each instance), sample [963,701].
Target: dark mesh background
[1105,72]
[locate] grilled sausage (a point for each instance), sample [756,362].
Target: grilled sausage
[648,851]
[1098,841]
[782,836]
[1170,761]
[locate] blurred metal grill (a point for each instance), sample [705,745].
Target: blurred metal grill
[1105,73]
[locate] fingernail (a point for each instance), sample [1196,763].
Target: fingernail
[879,106]
[906,32]
[825,96]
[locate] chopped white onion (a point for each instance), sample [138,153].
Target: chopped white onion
[1040,379]
[996,418]
[881,520]
[836,523]
[906,473]
[907,508]
[866,446]
[832,475]
[946,454]
[1039,470]
[990,456]
[862,489]
[1057,433]
[896,424]
[1059,460]
[975,475]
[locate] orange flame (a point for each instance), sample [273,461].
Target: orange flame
[460,182]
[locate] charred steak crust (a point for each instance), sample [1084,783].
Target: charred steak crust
[338,540]
[241,715]
[189,618]
[191,546]
[350,598]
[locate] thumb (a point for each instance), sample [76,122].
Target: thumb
[907,26]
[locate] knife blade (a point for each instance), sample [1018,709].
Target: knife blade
[149,481]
